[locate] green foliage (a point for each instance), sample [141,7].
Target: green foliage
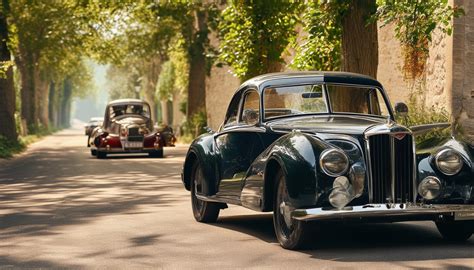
[8,148]
[415,21]
[122,82]
[179,57]
[255,33]
[196,126]
[166,82]
[321,49]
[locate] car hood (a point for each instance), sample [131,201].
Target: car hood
[327,124]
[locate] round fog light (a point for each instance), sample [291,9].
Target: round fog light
[429,188]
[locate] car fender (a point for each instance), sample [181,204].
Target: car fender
[202,151]
[427,167]
[297,154]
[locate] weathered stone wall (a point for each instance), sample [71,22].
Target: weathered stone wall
[389,71]
[220,88]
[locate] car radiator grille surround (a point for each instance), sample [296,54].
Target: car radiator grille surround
[391,168]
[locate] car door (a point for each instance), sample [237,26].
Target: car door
[238,144]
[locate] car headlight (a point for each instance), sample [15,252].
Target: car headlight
[334,162]
[448,161]
[429,188]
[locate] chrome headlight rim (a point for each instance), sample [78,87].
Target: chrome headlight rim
[421,190]
[328,151]
[441,169]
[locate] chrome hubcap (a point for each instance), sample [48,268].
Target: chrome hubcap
[285,211]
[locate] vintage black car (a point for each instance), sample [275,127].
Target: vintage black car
[319,147]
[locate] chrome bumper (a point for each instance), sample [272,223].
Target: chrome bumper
[117,150]
[389,211]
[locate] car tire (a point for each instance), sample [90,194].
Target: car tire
[206,212]
[101,155]
[156,154]
[292,236]
[456,231]
[93,152]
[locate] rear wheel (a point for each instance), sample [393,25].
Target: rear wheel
[291,233]
[93,152]
[156,154]
[458,231]
[203,211]
[101,155]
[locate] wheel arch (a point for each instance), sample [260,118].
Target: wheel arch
[187,169]
[271,169]
[297,154]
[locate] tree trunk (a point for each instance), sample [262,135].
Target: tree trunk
[52,105]
[152,71]
[197,67]
[165,113]
[43,101]
[26,66]
[359,51]
[359,39]
[65,113]
[7,91]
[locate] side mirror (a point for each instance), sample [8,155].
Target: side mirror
[209,130]
[401,109]
[250,117]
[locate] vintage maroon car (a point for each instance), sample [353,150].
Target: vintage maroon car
[128,128]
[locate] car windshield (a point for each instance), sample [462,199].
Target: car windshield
[310,99]
[130,109]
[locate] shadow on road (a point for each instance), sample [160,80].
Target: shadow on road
[361,242]
[58,187]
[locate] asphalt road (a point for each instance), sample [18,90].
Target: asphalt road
[62,208]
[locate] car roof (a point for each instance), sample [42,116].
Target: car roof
[282,78]
[127,101]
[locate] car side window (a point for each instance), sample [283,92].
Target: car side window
[232,111]
[251,108]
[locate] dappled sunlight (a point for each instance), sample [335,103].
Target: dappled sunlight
[52,191]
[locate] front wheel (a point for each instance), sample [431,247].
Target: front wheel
[93,152]
[458,231]
[291,233]
[203,211]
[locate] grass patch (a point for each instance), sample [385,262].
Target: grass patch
[8,148]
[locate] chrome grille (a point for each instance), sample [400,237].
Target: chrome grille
[391,168]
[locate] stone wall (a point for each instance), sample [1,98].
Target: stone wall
[220,87]
[390,73]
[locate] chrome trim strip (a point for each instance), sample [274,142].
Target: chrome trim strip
[392,169]
[368,163]
[415,170]
[466,212]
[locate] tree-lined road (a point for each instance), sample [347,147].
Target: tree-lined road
[60,207]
